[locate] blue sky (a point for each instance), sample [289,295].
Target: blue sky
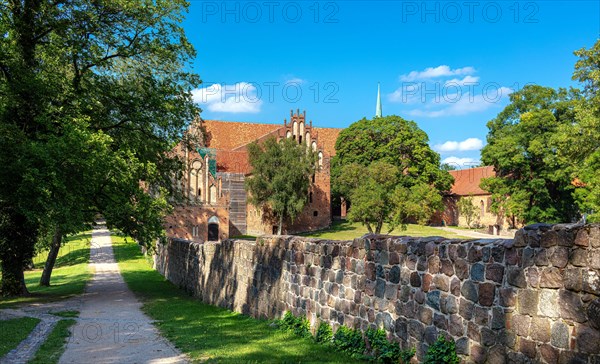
[447,65]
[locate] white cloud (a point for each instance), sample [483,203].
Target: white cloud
[461,104]
[454,146]
[461,163]
[241,97]
[439,71]
[296,80]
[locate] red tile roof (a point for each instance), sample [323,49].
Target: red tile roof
[227,135]
[327,138]
[466,181]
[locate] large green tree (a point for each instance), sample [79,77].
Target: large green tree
[93,96]
[579,140]
[281,175]
[531,183]
[386,169]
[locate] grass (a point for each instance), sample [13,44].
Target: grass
[208,333]
[346,230]
[14,331]
[69,275]
[54,346]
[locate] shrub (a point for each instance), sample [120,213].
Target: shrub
[349,341]
[442,352]
[324,333]
[384,350]
[299,325]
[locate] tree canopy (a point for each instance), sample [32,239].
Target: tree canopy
[93,96]
[531,183]
[386,169]
[281,174]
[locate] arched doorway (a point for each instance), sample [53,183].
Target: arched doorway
[213,229]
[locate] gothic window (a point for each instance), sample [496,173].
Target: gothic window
[307,138]
[295,128]
[310,195]
[314,146]
[213,194]
[482,212]
[301,130]
[320,159]
[288,134]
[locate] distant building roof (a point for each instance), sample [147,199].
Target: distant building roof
[229,135]
[466,181]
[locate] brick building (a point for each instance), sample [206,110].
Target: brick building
[216,204]
[467,184]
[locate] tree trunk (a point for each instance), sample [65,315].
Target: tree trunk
[369,228]
[51,260]
[379,226]
[13,279]
[280,227]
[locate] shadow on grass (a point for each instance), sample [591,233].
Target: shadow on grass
[209,333]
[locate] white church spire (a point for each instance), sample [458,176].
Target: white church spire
[378,107]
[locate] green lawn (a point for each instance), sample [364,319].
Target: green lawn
[345,230]
[209,333]
[69,275]
[14,331]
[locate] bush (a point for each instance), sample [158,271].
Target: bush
[349,341]
[299,325]
[324,333]
[442,352]
[384,350]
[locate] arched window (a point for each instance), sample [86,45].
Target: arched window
[310,197]
[482,212]
[295,128]
[288,134]
[307,138]
[314,146]
[195,183]
[213,229]
[320,159]
[301,129]
[213,195]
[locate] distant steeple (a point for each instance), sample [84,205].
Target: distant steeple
[378,108]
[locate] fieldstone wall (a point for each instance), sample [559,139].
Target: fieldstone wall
[528,300]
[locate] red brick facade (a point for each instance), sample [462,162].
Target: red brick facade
[214,184]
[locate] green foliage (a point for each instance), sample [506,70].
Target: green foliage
[579,141]
[93,96]
[388,172]
[298,325]
[324,333]
[442,352]
[467,209]
[349,341]
[531,184]
[383,350]
[280,181]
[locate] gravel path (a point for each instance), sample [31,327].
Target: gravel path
[111,328]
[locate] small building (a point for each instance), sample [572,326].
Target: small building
[467,183]
[216,206]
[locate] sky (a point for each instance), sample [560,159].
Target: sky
[447,65]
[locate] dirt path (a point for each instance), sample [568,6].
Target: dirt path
[111,327]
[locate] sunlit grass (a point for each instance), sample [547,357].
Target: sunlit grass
[346,230]
[14,331]
[69,275]
[55,344]
[209,333]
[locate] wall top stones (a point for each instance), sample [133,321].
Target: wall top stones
[534,298]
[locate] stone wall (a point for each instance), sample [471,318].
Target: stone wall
[531,299]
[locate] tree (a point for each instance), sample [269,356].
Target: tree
[388,172]
[93,96]
[280,181]
[531,183]
[467,209]
[579,141]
